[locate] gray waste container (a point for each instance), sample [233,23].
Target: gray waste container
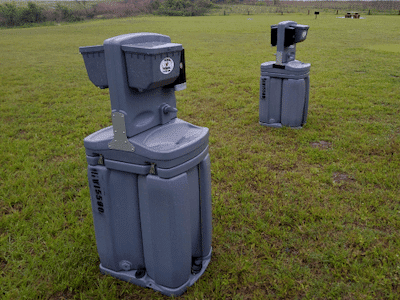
[285,83]
[149,173]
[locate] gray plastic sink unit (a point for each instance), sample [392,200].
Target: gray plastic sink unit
[284,94]
[285,83]
[149,173]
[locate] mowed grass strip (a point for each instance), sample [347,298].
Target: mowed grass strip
[311,213]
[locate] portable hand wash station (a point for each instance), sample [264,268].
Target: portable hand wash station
[149,173]
[285,83]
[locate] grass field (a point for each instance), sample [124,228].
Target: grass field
[297,214]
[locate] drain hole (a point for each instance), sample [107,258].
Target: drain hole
[140,273]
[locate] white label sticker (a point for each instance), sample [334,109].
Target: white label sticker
[166,65]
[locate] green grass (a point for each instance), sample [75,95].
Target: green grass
[311,213]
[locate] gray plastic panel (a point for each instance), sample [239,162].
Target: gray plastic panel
[146,71]
[95,64]
[171,172]
[293,100]
[165,213]
[283,102]
[115,208]
[284,53]
[93,158]
[101,210]
[205,205]
[195,209]
[125,167]
[161,172]
[142,107]
[305,113]
[270,100]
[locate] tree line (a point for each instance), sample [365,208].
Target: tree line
[12,15]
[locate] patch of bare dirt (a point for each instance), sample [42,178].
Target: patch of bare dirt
[321,145]
[341,177]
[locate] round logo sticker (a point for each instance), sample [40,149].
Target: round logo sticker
[166,65]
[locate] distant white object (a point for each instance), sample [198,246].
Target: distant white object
[349,18]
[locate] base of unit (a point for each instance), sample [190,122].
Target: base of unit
[279,125]
[146,281]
